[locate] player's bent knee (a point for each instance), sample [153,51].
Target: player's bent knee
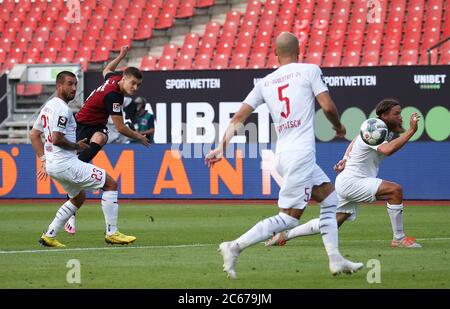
[110,184]
[99,138]
[398,191]
[321,192]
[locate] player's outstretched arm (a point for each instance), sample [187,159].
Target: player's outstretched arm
[394,145]
[111,67]
[125,130]
[340,166]
[235,124]
[331,112]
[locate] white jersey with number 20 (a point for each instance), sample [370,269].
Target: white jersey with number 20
[57,116]
[289,93]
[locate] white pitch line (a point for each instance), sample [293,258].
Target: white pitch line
[176,246]
[104,248]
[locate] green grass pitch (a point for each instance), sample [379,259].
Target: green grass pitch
[176,248]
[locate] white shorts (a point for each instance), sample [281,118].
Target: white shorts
[300,174]
[79,176]
[354,190]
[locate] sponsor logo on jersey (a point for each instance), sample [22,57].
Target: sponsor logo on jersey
[116,107]
[62,122]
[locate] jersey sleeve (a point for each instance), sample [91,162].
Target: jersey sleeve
[113,102]
[110,74]
[317,83]
[60,120]
[38,123]
[376,147]
[255,97]
[151,121]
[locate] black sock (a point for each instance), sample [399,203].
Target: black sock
[88,154]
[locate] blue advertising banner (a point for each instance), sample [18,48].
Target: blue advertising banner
[171,172]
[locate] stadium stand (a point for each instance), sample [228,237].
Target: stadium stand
[346,32]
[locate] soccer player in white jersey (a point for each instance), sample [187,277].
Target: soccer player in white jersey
[58,154]
[357,181]
[290,94]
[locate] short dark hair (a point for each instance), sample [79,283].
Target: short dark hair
[61,77]
[133,71]
[385,105]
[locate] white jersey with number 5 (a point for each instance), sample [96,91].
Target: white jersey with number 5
[289,93]
[56,116]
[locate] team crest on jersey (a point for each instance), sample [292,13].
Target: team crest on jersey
[116,107]
[62,122]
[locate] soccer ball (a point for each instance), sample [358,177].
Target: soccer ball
[373,131]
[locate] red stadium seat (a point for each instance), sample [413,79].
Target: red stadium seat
[102,10]
[238,61]
[190,44]
[409,57]
[186,9]
[389,57]
[170,50]
[32,56]
[166,62]
[137,7]
[315,58]
[148,63]
[224,47]
[55,43]
[124,38]
[209,39]
[220,61]
[202,61]
[101,54]
[66,55]
[332,58]
[167,14]
[49,55]
[244,43]
[76,31]
[370,58]
[84,53]
[445,54]
[272,61]
[351,59]
[184,62]
[204,3]
[6,9]
[257,61]
[167,59]
[145,26]
[17,54]
[431,30]
[107,41]
[392,38]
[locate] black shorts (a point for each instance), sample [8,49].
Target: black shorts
[87,130]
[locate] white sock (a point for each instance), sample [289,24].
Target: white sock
[110,209]
[309,228]
[264,229]
[396,215]
[62,215]
[328,226]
